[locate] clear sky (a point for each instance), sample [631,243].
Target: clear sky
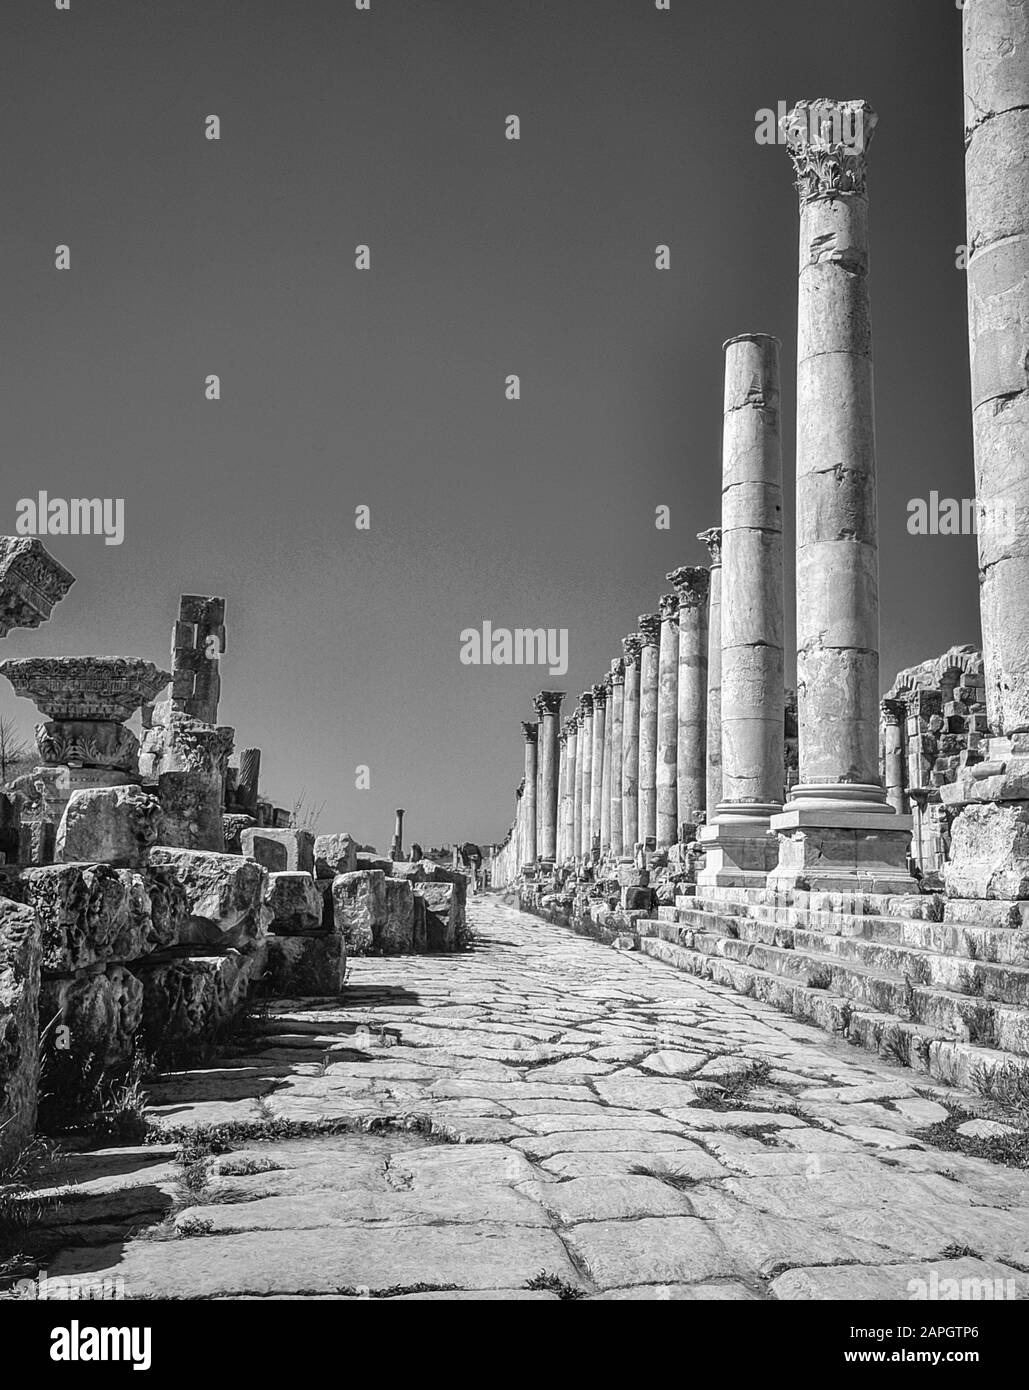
[385,387]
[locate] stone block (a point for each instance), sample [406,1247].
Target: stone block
[637,899]
[101,1012]
[194,999]
[298,966]
[109,825]
[280,850]
[334,854]
[396,936]
[232,829]
[359,902]
[19,1025]
[376,862]
[443,914]
[419,926]
[224,896]
[989,852]
[294,902]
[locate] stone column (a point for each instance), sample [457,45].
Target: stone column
[739,846]
[692,587]
[198,642]
[605,784]
[529,845]
[650,630]
[837,832]
[397,847]
[597,769]
[566,849]
[712,538]
[548,706]
[249,779]
[667,817]
[633,648]
[894,720]
[584,792]
[990,837]
[616,719]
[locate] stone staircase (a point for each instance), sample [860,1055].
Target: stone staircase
[948,998]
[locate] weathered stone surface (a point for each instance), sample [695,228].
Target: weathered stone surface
[396,936]
[31,582]
[102,1013]
[280,851]
[334,854]
[232,828]
[224,895]
[109,825]
[85,687]
[185,1000]
[192,807]
[989,855]
[310,965]
[93,913]
[359,901]
[19,1025]
[294,902]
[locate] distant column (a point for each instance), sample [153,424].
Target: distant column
[650,630]
[586,759]
[667,722]
[633,647]
[712,538]
[396,849]
[597,770]
[616,720]
[692,586]
[529,849]
[570,737]
[894,719]
[548,706]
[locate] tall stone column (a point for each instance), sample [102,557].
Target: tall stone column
[712,538]
[838,832]
[566,849]
[632,646]
[692,586]
[562,776]
[586,759]
[650,630]
[894,720]
[529,845]
[516,857]
[990,836]
[597,769]
[605,783]
[739,846]
[548,707]
[667,814]
[616,720]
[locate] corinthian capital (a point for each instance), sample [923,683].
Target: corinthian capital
[650,628]
[531,731]
[599,695]
[570,727]
[692,585]
[617,676]
[668,606]
[585,705]
[828,143]
[548,702]
[632,646]
[712,538]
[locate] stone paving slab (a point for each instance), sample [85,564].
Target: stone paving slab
[541,1111]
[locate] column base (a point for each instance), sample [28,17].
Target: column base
[843,850]
[740,849]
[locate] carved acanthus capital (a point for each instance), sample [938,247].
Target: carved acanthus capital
[570,727]
[650,628]
[893,711]
[668,606]
[107,688]
[712,538]
[531,730]
[194,746]
[87,743]
[585,706]
[31,582]
[828,143]
[632,646]
[599,695]
[548,702]
[617,676]
[692,585]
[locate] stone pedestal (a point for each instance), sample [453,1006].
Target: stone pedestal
[528,802]
[692,588]
[616,723]
[191,783]
[633,649]
[739,846]
[839,802]
[712,538]
[666,798]
[650,631]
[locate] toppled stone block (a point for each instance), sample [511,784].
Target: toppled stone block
[334,854]
[359,902]
[192,1000]
[298,966]
[419,925]
[989,852]
[224,896]
[637,899]
[101,1013]
[109,825]
[396,936]
[444,904]
[295,904]
[280,851]
[19,1025]
[232,829]
[629,876]
[376,862]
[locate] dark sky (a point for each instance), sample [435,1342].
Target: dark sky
[386,388]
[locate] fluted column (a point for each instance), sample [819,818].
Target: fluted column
[712,538]
[632,646]
[529,846]
[739,845]
[836,831]
[616,717]
[584,785]
[692,586]
[597,768]
[548,707]
[667,814]
[650,629]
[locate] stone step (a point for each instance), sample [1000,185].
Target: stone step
[924,1048]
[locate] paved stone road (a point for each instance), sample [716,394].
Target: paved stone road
[580,1099]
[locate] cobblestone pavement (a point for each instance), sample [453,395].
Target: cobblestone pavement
[546,1108]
